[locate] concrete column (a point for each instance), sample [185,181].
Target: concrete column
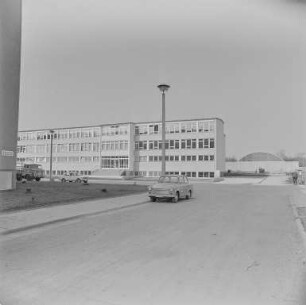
[10,47]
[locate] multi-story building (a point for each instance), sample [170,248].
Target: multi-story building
[195,148]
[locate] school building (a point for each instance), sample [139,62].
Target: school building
[194,147]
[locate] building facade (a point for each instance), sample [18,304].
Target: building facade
[195,148]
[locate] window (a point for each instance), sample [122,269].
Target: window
[74,147]
[73,159]
[21,149]
[194,158]
[177,144]
[63,134]
[194,143]
[41,149]
[183,158]
[188,145]
[143,129]
[172,144]
[142,145]
[211,143]
[211,126]
[206,143]
[114,162]
[96,132]
[85,146]
[86,159]
[201,143]
[40,159]
[61,159]
[201,158]
[212,157]
[156,144]
[188,158]
[86,133]
[151,145]
[211,174]
[74,133]
[183,144]
[62,148]
[142,158]
[95,146]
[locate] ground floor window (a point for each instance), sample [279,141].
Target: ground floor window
[206,174]
[114,162]
[189,174]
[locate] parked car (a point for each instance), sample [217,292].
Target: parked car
[29,172]
[171,187]
[71,177]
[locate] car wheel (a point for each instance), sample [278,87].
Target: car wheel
[37,178]
[176,198]
[188,196]
[63,180]
[153,199]
[78,180]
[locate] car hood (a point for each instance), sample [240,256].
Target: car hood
[164,185]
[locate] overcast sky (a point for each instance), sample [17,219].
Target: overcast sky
[87,62]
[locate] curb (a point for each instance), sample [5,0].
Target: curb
[56,221]
[298,220]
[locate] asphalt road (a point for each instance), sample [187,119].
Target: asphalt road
[231,244]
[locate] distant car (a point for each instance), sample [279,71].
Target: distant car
[73,178]
[171,187]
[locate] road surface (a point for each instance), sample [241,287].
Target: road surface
[231,244]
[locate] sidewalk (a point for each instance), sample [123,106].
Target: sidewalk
[30,219]
[298,202]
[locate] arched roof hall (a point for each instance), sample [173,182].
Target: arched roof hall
[261,156]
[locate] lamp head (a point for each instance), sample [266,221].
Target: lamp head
[163,87]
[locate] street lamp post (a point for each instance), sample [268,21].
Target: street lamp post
[51,153]
[163,88]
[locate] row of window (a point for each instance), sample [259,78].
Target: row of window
[90,132]
[118,145]
[139,173]
[115,130]
[171,158]
[115,162]
[176,158]
[73,147]
[188,174]
[176,144]
[64,172]
[183,127]
[60,134]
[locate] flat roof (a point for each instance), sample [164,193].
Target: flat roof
[125,123]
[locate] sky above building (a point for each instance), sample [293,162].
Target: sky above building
[94,62]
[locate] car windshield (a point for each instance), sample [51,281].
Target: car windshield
[168,179]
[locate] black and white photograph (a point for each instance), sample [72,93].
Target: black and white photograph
[152,152]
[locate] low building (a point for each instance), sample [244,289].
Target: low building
[259,161]
[195,148]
